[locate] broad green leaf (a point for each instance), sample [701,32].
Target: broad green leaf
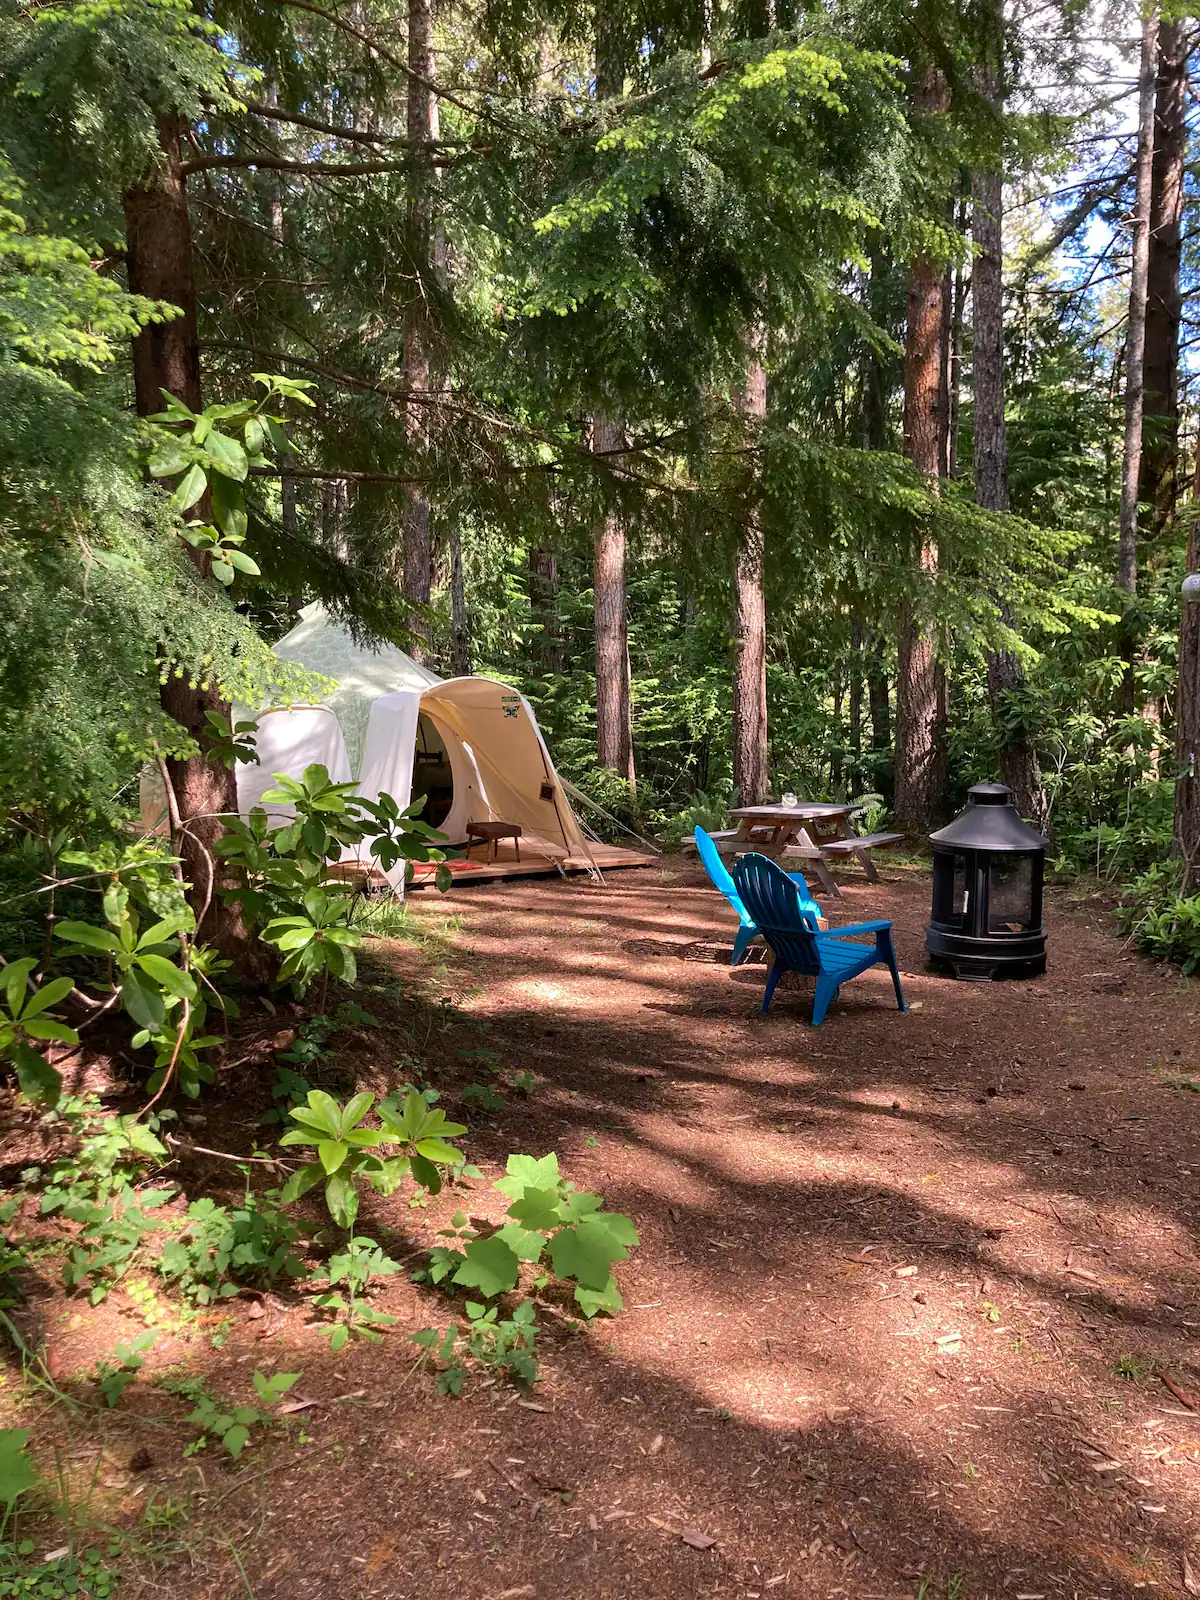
[37,1078]
[47,1028]
[241,562]
[341,1197]
[17,1472]
[169,458]
[15,975]
[227,454]
[491,1266]
[526,1246]
[301,1181]
[222,571]
[86,934]
[527,1172]
[586,1253]
[142,1001]
[338,1337]
[322,1111]
[578,1203]
[536,1208]
[593,1300]
[279,439]
[48,995]
[160,932]
[253,435]
[168,976]
[333,1154]
[236,1439]
[426,1174]
[190,488]
[356,1108]
[439,1150]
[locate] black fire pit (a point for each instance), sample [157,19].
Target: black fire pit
[987,890]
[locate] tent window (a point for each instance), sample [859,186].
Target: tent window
[432,776]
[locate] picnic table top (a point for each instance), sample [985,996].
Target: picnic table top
[802,811]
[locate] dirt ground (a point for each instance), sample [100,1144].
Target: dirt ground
[908,1290]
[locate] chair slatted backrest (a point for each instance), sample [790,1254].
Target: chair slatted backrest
[774,901]
[718,871]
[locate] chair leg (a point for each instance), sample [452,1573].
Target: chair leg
[777,972]
[883,943]
[827,991]
[745,936]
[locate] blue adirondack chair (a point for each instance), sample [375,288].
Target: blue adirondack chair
[719,873]
[769,897]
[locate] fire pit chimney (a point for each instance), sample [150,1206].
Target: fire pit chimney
[988,868]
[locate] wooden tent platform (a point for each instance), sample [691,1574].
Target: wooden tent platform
[531,865]
[608,857]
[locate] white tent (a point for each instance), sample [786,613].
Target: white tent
[471,745]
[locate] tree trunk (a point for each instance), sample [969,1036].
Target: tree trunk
[1187,714]
[922,768]
[855,700]
[542,564]
[614,711]
[1019,766]
[750,779]
[166,356]
[1135,335]
[1157,485]
[879,699]
[334,504]
[945,370]
[417,580]
[287,486]
[460,620]
[614,721]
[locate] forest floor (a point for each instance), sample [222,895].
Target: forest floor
[907,1298]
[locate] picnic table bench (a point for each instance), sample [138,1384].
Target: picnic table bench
[818,831]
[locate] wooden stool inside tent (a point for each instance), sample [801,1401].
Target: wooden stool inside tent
[493,832]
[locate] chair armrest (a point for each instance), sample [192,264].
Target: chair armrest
[852,928]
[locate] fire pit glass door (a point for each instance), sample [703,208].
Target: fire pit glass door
[1011,894]
[951,893]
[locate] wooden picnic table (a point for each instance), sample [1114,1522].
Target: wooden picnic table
[812,830]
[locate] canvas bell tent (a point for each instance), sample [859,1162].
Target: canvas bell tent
[470,745]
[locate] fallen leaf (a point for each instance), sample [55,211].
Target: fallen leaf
[531,1405]
[1190,1581]
[697,1540]
[515,1594]
[592,1522]
[906,1272]
[656,1444]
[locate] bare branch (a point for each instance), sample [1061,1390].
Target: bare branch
[353,135]
[311,169]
